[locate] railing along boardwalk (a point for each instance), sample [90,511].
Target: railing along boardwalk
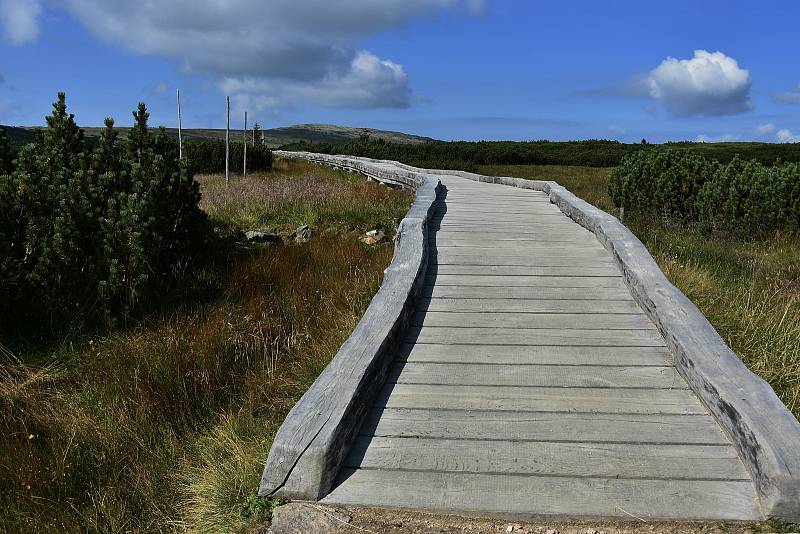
[530,382]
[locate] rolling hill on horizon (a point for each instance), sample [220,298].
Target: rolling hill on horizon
[275,137]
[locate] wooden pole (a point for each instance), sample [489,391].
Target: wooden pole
[180,128]
[244,142]
[228,143]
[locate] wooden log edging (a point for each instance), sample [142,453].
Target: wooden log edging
[311,444]
[762,429]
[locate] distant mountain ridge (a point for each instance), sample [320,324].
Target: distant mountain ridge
[275,137]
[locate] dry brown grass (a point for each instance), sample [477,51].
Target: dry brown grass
[166,426]
[296,193]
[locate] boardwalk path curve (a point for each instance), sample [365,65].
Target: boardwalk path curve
[530,382]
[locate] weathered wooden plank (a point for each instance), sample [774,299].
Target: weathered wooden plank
[607,269]
[523,211]
[549,240]
[500,280]
[566,376]
[539,399]
[564,321]
[515,257]
[493,204]
[544,426]
[542,355]
[540,293]
[547,235]
[610,460]
[463,258]
[528,306]
[527,496]
[540,225]
[510,218]
[448,335]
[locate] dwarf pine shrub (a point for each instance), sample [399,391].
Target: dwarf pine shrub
[740,197]
[663,182]
[7,153]
[89,235]
[206,157]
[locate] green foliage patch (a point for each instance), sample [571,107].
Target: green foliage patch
[466,155]
[741,197]
[206,157]
[87,235]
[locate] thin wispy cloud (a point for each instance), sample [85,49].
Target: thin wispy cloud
[788,97]
[765,129]
[724,138]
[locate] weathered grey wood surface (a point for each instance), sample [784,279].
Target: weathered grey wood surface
[523,496]
[530,382]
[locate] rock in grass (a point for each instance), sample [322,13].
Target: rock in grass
[373,237]
[302,234]
[302,517]
[260,236]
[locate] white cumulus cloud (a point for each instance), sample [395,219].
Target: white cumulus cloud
[786,136]
[706,85]
[259,50]
[19,20]
[368,82]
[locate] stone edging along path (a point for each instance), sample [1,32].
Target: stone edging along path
[308,450]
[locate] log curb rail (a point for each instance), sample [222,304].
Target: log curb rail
[764,432]
[312,442]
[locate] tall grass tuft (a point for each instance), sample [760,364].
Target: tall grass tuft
[166,425]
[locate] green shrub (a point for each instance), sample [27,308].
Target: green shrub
[740,197]
[467,155]
[7,153]
[664,182]
[88,236]
[206,157]
[746,196]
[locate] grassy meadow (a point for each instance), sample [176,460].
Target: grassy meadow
[748,289]
[164,425]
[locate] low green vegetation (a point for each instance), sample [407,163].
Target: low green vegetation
[741,197]
[465,155]
[209,157]
[165,423]
[749,288]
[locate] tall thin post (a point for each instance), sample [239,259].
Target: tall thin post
[244,142]
[180,128]
[228,143]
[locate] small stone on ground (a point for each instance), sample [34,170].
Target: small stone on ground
[373,237]
[302,234]
[305,517]
[260,236]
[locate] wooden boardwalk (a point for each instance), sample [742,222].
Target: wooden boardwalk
[531,383]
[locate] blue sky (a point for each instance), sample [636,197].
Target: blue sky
[450,69]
